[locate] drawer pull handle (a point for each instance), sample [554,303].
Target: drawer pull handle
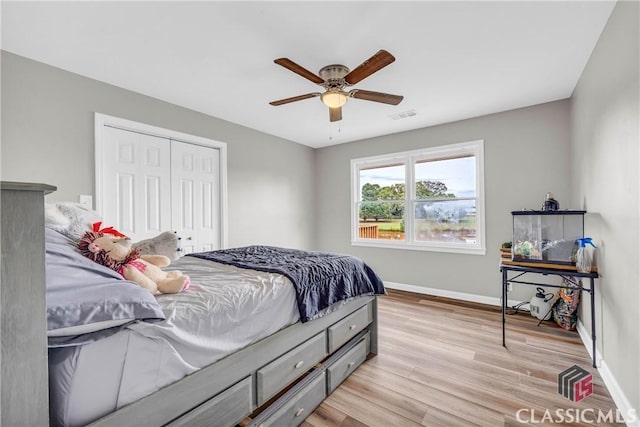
[352,327]
[299,412]
[350,365]
[299,364]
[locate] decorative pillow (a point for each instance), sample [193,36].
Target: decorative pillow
[84,297]
[69,218]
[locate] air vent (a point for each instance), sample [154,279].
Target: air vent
[403,115]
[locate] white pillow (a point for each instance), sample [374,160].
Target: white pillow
[69,219]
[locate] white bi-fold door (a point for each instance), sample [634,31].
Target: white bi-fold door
[136,183]
[148,184]
[195,192]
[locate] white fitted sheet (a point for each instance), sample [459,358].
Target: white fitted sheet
[224,310]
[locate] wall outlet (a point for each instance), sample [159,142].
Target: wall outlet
[86,200]
[509,286]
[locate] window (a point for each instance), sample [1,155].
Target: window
[430,199]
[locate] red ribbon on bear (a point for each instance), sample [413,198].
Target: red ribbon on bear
[108,230]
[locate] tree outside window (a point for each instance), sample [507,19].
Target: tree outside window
[427,199]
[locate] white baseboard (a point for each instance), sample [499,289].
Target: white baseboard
[618,396]
[585,336]
[448,294]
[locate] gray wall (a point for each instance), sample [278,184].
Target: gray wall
[48,136]
[590,141]
[526,156]
[605,139]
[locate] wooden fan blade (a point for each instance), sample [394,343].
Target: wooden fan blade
[292,66]
[370,66]
[367,95]
[335,114]
[295,98]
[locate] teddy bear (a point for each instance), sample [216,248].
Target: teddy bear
[115,252]
[166,243]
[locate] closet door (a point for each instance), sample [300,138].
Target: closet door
[136,183]
[195,193]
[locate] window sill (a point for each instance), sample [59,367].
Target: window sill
[426,248]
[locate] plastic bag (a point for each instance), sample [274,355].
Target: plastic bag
[565,311]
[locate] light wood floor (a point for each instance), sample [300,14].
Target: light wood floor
[441,363]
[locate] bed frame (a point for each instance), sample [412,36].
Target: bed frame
[231,389]
[278,380]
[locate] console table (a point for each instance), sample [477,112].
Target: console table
[513,272]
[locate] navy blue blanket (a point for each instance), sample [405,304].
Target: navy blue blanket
[320,278]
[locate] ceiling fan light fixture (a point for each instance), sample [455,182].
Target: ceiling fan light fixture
[334,99]
[335,77]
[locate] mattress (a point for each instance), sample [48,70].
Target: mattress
[224,310]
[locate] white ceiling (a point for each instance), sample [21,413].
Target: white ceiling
[454,60]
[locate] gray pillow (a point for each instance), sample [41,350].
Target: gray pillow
[84,297]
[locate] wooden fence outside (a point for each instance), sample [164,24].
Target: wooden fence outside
[368,231]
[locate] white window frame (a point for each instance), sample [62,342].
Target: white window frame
[409,159]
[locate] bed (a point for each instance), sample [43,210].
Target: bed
[246,343]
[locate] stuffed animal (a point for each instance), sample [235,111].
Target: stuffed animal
[167,243]
[116,253]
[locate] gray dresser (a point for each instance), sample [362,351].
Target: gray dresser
[24,397]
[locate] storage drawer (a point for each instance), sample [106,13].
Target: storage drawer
[297,409]
[343,367]
[225,409]
[347,328]
[273,377]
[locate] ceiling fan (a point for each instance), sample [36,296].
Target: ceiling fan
[336,77]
